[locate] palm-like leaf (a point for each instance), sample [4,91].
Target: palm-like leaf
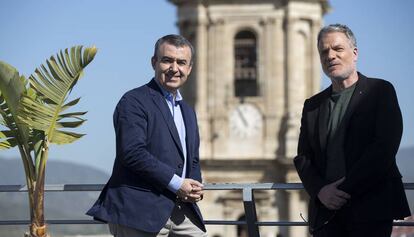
[34,116]
[12,87]
[53,84]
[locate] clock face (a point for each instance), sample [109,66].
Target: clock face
[245,121]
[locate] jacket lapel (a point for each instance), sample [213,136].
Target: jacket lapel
[323,123]
[323,119]
[161,104]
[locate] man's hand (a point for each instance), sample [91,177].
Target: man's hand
[333,198]
[190,191]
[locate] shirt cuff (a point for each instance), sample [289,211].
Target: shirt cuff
[175,183]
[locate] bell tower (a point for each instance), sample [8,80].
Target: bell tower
[256,62]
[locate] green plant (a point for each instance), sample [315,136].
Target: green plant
[34,113]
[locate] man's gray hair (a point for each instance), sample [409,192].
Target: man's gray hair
[338,28]
[177,41]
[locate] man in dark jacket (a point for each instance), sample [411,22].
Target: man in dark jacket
[349,136]
[156,178]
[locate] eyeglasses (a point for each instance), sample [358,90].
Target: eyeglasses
[312,230]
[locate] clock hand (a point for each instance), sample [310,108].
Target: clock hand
[242,117]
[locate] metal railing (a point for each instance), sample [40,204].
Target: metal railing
[247,189]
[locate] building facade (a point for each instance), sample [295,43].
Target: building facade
[256,62]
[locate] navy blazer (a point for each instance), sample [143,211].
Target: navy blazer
[372,125]
[148,154]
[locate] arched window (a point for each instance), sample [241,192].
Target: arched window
[245,66]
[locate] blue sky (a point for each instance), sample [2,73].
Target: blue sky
[125,32]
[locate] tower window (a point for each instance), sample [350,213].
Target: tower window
[245,68]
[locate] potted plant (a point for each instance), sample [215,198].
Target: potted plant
[34,115]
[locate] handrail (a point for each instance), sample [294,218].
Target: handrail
[208,186]
[246,188]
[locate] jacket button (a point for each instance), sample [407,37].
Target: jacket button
[180,166]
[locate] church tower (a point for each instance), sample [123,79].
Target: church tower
[256,62]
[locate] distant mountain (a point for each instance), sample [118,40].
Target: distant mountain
[58,205]
[405,161]
[57,172]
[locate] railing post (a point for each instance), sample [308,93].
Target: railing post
[250,212]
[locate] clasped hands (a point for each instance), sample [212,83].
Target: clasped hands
[332,197]
[190,191]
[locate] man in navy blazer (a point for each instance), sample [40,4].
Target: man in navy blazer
[349,136]
[156,178]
